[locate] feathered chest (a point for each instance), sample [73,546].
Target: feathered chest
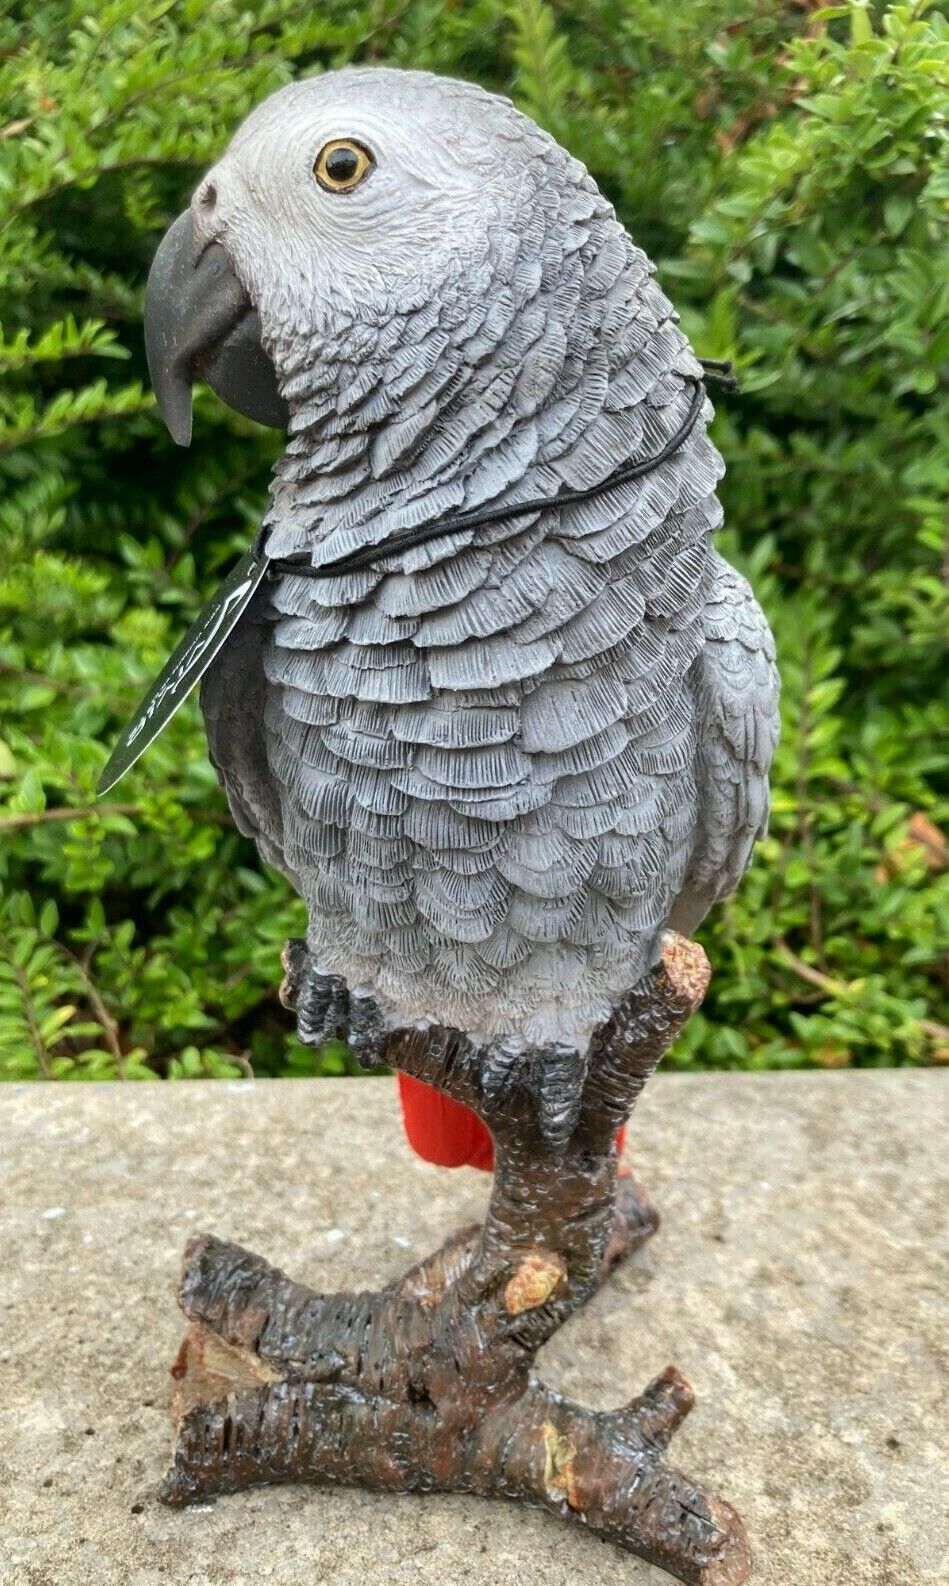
[474,725]
[481,764]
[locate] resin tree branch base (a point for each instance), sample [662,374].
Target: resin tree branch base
[428,1385]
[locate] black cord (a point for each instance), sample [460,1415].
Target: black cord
[458,522]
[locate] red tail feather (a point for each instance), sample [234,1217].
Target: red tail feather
[442,1131]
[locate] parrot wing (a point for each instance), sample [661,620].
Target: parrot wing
[233,698]
[736,686]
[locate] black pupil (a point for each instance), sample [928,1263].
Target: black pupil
[342,165]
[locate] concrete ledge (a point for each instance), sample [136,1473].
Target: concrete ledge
[797,1281]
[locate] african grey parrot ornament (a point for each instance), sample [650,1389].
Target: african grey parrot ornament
[498,763]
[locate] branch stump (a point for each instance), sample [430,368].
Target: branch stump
[428,1385]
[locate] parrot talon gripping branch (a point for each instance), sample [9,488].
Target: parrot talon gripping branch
[486,694]
[428,1384]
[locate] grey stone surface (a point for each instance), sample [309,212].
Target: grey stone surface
[798,1280]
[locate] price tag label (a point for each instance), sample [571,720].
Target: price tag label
[187,666]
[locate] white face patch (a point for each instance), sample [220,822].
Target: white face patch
[448,162]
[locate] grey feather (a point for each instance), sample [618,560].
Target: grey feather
[487,663]
[499,764]
[545,861]
[492,766]
[736,690]
[559,713]
[233,702]
[454,722]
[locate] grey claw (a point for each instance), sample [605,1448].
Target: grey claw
[367,1029]
[559,1073]
[322,1008]
[499,1066]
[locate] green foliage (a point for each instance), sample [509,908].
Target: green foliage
[786,168]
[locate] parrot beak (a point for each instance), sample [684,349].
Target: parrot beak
[200,323]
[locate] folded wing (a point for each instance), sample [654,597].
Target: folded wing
[736,687]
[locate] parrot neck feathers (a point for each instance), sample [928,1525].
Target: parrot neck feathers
[568,370]
[455,523]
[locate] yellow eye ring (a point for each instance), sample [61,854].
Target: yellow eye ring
[342,164]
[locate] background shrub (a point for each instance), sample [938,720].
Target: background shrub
[785,166]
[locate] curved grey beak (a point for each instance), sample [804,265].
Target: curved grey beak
[201,324]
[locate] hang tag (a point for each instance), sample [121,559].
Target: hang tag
[187,666]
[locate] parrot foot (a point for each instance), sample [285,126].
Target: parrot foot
[327,1009]
[553,1075]
[320,1001]
[367,1028]
[429,1384]
[557,1075]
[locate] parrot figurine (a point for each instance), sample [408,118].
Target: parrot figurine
[497,708]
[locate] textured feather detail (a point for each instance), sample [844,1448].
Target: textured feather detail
[638,509]
[582,757]
[487,663]
[644,807]
[461,968]
[613,616]
[546,862]
[233,700]
[451,925]
[494,766]
[540,369]
[560,713]
[490,610]
[381,917]
[736,687]
[608,436]
[382,887]
[297,596]
[505,948]
[511,550]
[369,625]
[574,589]
[436,825]
[463,862]
[404,595]
[387,673]
[543,919]
[399,438]
[683,582]
[383,853]
[584,820]
[358,747]
[408,949]
[419,786]
[297,704]
[598,923]
[498,806]
[315,631]
[493,763]
[454,722]
[377,791]
[481,895]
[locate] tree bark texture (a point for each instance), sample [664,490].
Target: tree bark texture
[428,1385]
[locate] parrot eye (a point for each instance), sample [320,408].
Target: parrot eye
[342,164]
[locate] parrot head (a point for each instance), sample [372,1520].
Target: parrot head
[342,201]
